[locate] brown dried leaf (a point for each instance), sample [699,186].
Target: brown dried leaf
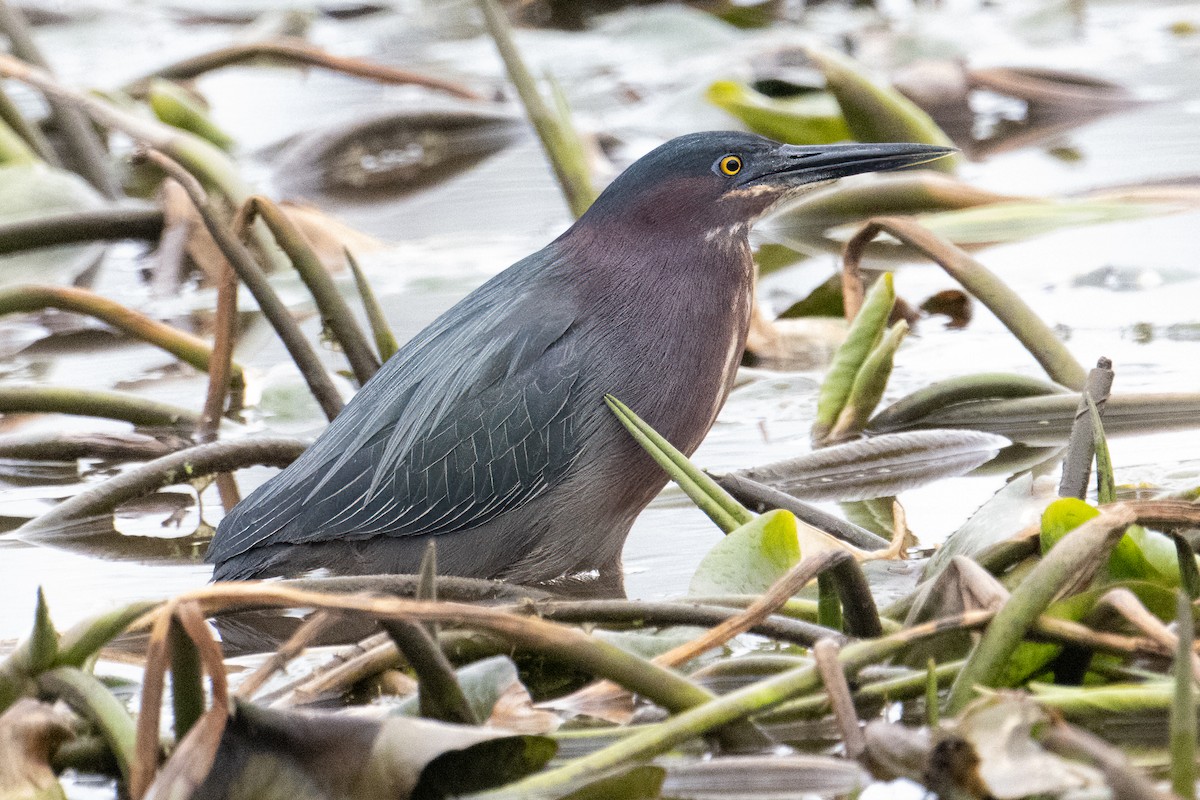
[29,732]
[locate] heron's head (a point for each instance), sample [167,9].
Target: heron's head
[719,180]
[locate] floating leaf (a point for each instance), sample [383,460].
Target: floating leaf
[754,556]
[913,408]
[878,113]
[1140,555]
[812,118]
[483,683]
[914,191]
[393,151]
[1047,419]
[749,559]
[878,465]
[29,191]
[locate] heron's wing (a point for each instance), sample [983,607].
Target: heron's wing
[473,418]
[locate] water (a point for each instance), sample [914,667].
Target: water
[640,75]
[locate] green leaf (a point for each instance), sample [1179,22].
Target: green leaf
[877,113]
[43,641]
[175,106]
[811,118]
[869,385]
[751,558]
[1061,517]
[1140,555]
[714,501]
[866,331]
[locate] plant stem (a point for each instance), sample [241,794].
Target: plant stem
[179,467]
[335,313]
[1006,304]
[187,348]
[107,224]
[248,270]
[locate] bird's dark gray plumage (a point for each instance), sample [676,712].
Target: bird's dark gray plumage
[488,430]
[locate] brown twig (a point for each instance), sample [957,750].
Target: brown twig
[308,631]
[297,51]
[834,677]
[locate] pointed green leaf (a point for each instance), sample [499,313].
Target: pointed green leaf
[869,385]
[43,641]
[714,501]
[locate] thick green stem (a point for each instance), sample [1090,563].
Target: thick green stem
[728,708]
[1006,304]
[91,403]
[101,224]
[385,340]
[184,346]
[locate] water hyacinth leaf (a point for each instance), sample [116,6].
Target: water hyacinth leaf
[877,113]
[749,559]
[31,191]
[869,385]
[174,105]
[1046,420]
[866,331]
[877,466]
[1060,572]
[1014,221]
[1096,702]
[1140,555]
[810,118]
[285,755]
[912,409]
[714,501]
[754,556]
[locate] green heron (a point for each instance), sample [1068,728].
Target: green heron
[488,431]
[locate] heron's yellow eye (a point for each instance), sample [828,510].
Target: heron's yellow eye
[730,165]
